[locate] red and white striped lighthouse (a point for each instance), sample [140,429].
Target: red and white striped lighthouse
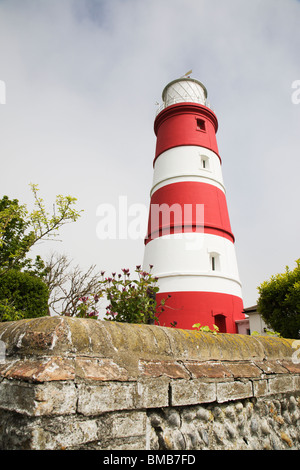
[189,240]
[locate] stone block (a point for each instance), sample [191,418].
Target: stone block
[235,390]
[243,369]
[271,367]
[152,393]
[125,424]
[281,384]
[260,388]
[107,396]
[55,398]
[63,433]
[43,370]
[115,396]
[99,369]
[296,380]
[293,367]
[207,369]
[15,431]
[158,368]
[191,392]
[49,398]
[17,396]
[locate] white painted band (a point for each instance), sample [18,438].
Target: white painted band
[194,262]
[187,163]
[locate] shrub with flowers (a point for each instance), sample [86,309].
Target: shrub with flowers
[132,300]
[88,307]
[129,300]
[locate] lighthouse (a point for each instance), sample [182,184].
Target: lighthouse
[189,240]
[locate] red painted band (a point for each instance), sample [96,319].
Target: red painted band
[173,209]
[186,124]
[207,308]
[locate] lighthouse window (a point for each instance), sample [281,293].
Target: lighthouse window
[200,124]
[214,261]
[204,162]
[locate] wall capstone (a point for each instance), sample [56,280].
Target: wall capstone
[76,383]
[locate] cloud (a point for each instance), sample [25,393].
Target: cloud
[82,78]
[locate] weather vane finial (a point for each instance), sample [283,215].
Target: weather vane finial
[187,74]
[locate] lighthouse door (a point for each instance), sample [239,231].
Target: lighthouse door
[220,322]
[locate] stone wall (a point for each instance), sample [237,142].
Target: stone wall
[69,383]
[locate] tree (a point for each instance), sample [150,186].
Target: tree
[21,229]
[13,241]
[68,285]
[22,292]
[279,302]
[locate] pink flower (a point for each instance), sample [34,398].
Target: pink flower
[93,314]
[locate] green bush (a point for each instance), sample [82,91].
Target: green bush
[8,312]
[279,302]
[23,293]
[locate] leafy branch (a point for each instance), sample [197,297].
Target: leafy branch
[206,328]
[45,225]
[20,229]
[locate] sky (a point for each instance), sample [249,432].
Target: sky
[82,79]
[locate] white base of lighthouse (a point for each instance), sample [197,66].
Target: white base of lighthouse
[199,271]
